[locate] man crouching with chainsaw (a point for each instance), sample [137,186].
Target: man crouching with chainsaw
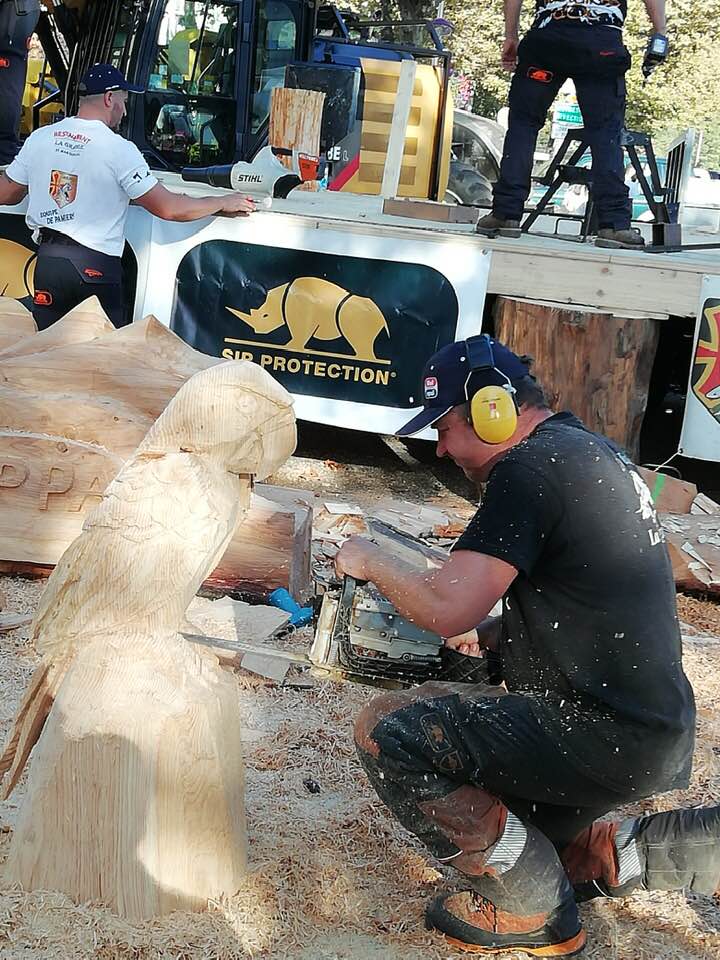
[506,783]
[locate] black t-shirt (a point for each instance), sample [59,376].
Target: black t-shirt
[590,629]
[606,13]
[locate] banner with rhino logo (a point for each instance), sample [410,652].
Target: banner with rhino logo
[334,326]
[17,259]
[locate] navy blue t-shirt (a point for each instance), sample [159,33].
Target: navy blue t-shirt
[590,629]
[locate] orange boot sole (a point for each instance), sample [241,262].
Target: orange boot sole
[568,948]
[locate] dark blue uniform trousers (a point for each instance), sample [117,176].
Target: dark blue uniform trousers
[14,34]
[596,60]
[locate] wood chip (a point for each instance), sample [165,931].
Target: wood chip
[337,508]
[12,621]
[702,504]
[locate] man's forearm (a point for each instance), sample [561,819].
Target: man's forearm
[184,209]
[408,589]
[656,12]
[10,192]
[512,18]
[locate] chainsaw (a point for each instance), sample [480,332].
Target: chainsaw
[361,637]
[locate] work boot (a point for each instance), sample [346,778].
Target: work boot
[523,900]
[630,239]
[492,226]
[679,850]
[473,923]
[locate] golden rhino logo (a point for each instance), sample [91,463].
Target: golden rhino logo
[312,308]
[17,270]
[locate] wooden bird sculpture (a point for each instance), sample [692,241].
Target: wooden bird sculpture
[135,788]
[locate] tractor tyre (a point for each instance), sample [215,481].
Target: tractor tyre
[467,185]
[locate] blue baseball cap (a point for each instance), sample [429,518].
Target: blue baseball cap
[104,78]
[446,375]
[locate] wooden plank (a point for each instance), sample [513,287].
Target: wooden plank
[538,268]
[669,494]
[398,129]
[611,285]
[13,621]
[596,365]
[428,210]
[694,547]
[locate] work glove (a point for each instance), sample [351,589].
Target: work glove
[656,53]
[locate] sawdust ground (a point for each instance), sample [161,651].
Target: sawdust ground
[332,876]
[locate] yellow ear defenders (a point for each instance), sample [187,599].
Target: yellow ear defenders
[493,410]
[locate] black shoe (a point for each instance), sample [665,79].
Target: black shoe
[630,239]
[474,924]
[492,226]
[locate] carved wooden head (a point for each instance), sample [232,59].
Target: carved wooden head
[233,412]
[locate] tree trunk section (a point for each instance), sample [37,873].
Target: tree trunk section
[594,364]
[295,122]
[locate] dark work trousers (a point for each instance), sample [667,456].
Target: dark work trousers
[472,773]
[15,32]
[67,273]
[596,60]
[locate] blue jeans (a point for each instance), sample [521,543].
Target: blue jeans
[596,60]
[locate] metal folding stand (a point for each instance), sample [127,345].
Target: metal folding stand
[564,170]
[559,173]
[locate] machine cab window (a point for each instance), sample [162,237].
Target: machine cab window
[276,38]
[190,112]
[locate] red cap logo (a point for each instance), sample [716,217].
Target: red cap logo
[431,388]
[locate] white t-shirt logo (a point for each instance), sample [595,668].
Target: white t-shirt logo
[63,187]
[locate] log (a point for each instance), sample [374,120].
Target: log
[295,123]
[597,365]
[47,487]
[271,549]
[73,410]
[135,789]
[85,322]
[107,391]
[16,322]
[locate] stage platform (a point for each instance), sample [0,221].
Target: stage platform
[541,267]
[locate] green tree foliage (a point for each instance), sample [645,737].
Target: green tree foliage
[683,93]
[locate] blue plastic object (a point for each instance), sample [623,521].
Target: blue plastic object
[299,616]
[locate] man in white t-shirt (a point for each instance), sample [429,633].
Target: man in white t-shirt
[80,177]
